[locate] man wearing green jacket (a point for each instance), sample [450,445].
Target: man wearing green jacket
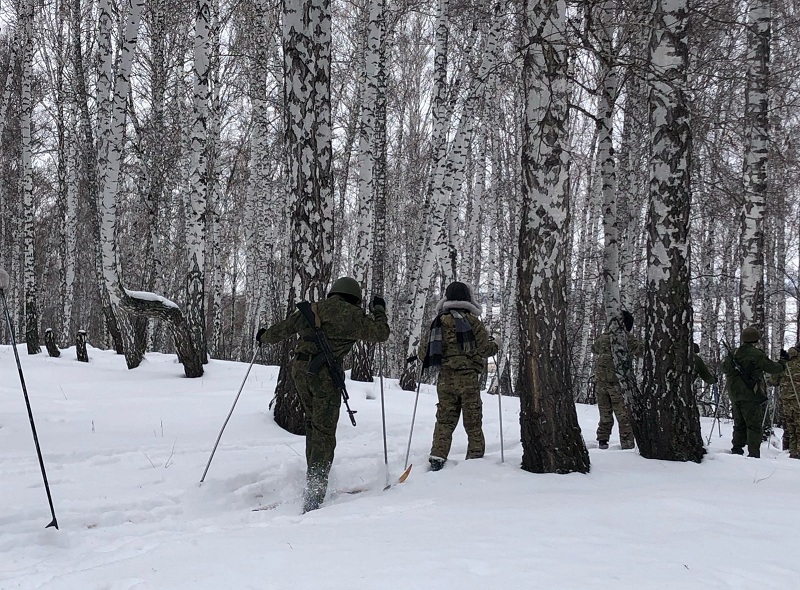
[343,321]
[745,371]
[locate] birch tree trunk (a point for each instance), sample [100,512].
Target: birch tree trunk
[422,280]
[198,183]
[363,352]
[307,54]
[612,303]
[551,436]
[129,302]
[91,153]
[26,181]
[665,416]
[755,164]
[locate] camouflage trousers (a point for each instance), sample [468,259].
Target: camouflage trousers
[459,395]
[321,402]
[748,426]
[791,423]
[610,403]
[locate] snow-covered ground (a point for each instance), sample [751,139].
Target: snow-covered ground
[124,452]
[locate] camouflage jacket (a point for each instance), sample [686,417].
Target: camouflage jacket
[754,362]
[788,392]
[604,365]
[343,323]
[452,357]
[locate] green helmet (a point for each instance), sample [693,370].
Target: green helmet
[751,335]
[347,287]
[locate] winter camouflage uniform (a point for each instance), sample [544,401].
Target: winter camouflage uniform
[609,397]
[343,323]
[790,392]
[748,400]
[458,387]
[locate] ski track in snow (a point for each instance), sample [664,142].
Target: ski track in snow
[124,451]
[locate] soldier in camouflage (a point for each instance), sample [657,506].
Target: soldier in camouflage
[747,391]
[343,321]
[457,342]
[789,383]
[610,401]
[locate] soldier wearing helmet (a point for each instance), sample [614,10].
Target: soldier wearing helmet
[343,321]
[745,371]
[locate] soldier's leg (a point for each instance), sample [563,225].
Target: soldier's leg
[753,413]
[301,382]
[623,419]
[320,436]
[472,415]
[739,438]
[447,412]
[604,407]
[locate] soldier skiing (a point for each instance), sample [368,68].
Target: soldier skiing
[342,321]
[458,343]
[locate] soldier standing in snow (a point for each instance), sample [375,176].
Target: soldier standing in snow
[789,383]
[745,370]
[459,343]
[610,401]
[343,321]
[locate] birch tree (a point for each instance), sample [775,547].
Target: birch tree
[307,54]
[551,436]
[198,182]
[665,416]
[756,118]
[26,179]
[367,164]
[113,106]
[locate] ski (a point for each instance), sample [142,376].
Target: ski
[335,494]
[401,479]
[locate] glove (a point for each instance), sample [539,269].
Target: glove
[784,355]
[377,301]
[496,340]
[259,334]
[411,359]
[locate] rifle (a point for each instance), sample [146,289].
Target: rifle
[327,354]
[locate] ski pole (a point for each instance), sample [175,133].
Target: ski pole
[383,417]
[500,407]
[413,415]
[715,389]
[219,436]
[3,286]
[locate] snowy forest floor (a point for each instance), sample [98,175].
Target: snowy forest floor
[124,452]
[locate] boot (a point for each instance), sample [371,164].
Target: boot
[602,444]
[436,462]
[737,451]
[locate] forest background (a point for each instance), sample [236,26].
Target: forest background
[569,160]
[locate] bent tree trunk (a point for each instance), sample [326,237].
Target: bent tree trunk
[153,306]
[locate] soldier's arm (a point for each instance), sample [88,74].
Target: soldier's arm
[374,326]
[422,349]
[484,345]
[772,367]
[702,371]
[282,330]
